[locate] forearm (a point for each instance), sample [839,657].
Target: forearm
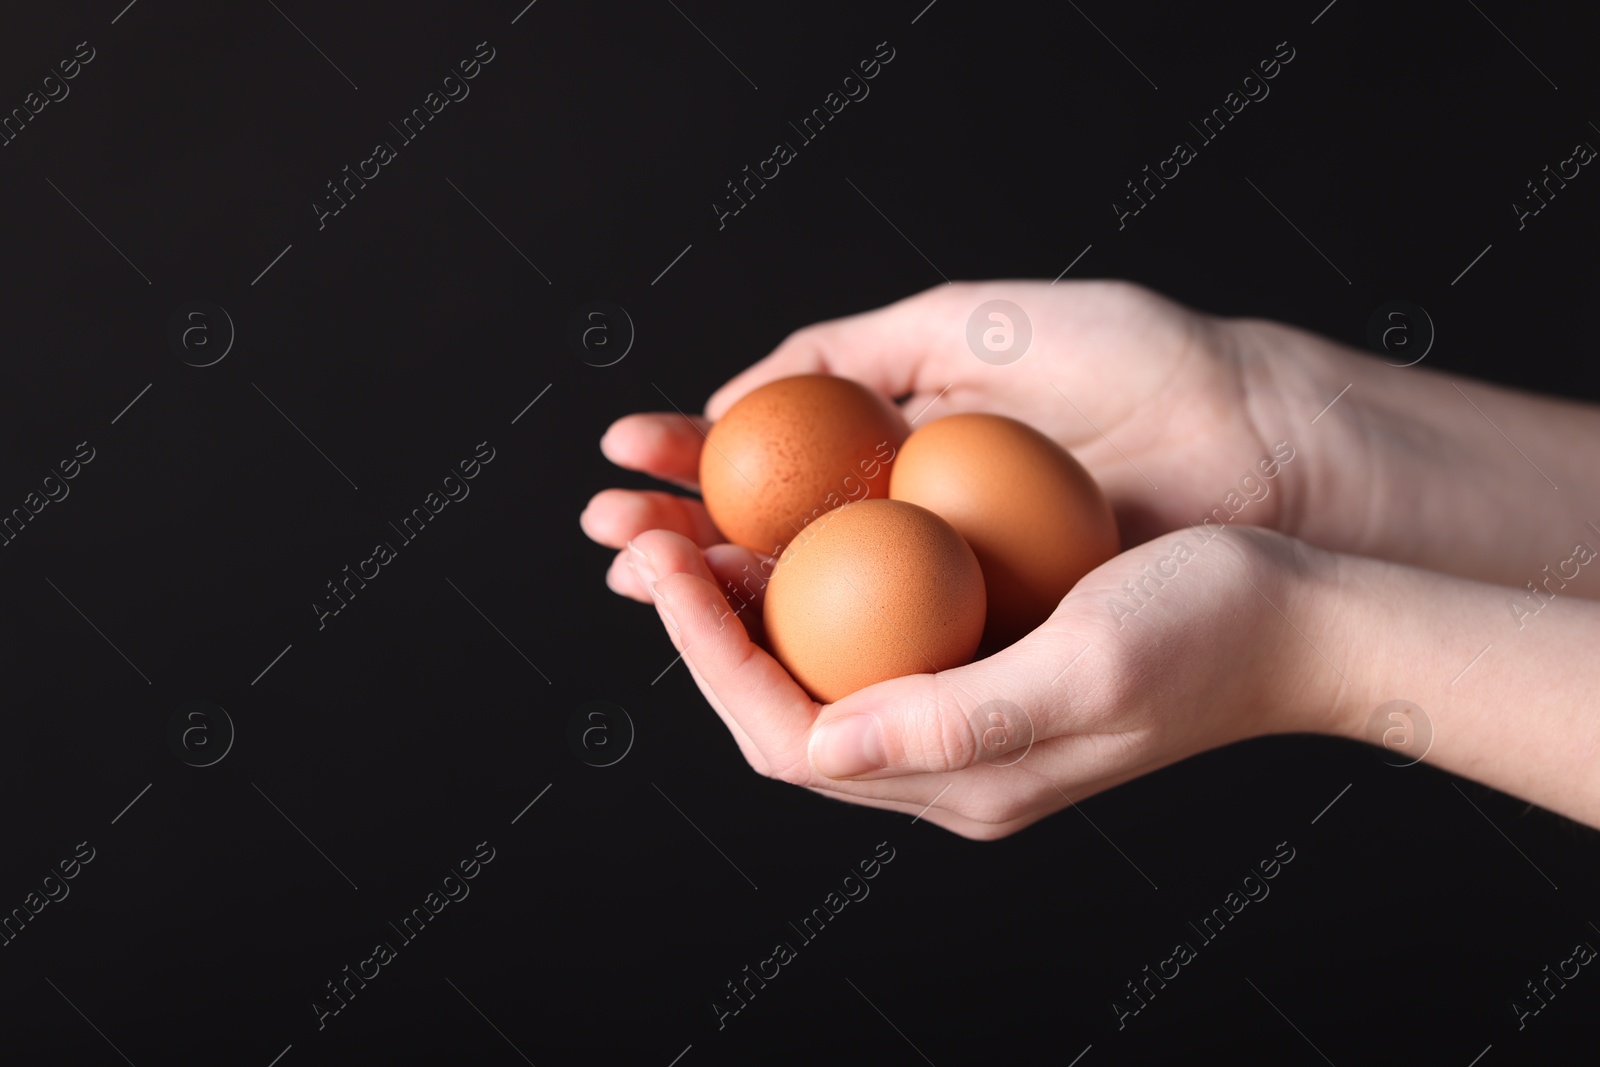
[1511,700]
[1422,467]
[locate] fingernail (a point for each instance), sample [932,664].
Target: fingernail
[848,747]
[641,563]
[663,606]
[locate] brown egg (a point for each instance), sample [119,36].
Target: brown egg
[871,591]
[1036,520]
[793,450]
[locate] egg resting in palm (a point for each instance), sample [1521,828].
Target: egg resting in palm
[1035,518]
[871,591]
[792,450]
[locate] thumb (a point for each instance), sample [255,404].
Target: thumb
[889,350]
[934,723]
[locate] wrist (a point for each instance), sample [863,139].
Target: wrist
[1345,619]
[1295,392]
[1308,606]
[1403,464]
[1281,635]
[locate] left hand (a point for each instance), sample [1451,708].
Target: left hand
[1204,656]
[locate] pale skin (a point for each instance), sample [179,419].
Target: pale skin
[1388,553]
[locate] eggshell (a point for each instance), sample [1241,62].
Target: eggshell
[793,450]
[873,590]
[1036,520]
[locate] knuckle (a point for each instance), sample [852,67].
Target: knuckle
[796,337]
[792,769]
[814,336]
[938,737]
[980,831]
[991,814]
[1122,289]
[758,762]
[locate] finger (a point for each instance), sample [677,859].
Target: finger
[664,444]
[623,580]
[753,688]
[739,573]
[742,575]
[892,350]
[616,516]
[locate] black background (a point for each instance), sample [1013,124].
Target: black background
[408,330]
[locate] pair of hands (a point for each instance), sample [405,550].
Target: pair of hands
[1091,698]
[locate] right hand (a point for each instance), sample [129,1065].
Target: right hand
[1159,402]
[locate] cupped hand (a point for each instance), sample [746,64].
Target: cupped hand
[1161,403]
[1171,648]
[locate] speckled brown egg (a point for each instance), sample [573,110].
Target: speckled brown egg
[793,450]
[871,591]
[1036,520]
